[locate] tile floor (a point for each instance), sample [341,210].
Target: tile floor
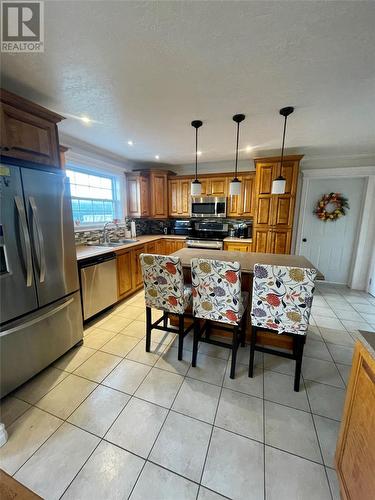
[109,420]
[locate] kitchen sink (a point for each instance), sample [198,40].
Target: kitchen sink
[118,243]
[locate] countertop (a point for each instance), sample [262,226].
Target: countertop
[86,251]
[246,259]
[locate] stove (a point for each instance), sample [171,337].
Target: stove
[208,234]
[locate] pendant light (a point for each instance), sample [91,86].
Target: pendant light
[235,185]
[196,186]
[278,185]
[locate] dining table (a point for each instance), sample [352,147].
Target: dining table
[247,261]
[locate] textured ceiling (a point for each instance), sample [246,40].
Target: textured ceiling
[144,70]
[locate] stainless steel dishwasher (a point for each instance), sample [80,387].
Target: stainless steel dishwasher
[98,284]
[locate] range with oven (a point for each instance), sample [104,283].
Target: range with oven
[208,234]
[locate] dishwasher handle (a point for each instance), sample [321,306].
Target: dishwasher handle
[93,261]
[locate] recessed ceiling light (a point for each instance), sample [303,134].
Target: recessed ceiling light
[86,120]
[199,153]
[248,149]
[130,143]
[157,157]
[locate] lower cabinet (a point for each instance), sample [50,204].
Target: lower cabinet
[270,240]
[237,247]
[124,274]
[136,266]
[173,245]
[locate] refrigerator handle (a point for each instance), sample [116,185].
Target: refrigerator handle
[42,261]
[26,236]
[38,319]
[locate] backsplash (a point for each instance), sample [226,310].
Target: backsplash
[143,226]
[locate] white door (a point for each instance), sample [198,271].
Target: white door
[329,245]
[371,288]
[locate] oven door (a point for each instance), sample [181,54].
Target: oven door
[208,206]
[207,244]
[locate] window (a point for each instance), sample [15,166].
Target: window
[95,197]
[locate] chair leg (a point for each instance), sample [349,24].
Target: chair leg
[243,329]
[180,336]
[165,319]
[148,328]
[252,350]
[298,345]
[234,352]
[195,342]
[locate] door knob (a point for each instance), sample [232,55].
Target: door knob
[304,240]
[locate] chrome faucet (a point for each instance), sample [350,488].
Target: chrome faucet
[105,230]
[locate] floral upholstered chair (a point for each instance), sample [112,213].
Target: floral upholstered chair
[217,296]
[281,302]
[165,290]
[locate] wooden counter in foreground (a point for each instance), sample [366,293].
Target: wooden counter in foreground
[355,452]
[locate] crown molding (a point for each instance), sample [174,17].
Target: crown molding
[329,173]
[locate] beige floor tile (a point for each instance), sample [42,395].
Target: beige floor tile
[148,358]
[98,338]
[324,372]
[98,366]
[98,412]
[65,397]
[327,431]
[135,329]
[120,345]
[197,399]
[39,385]
[339,337]
[280,389]
[205,494]
[208,369]
[109,473]
[50,470]
[334,483]
[160,387]
[25,436]
[10,409]
[137,427]
[243,383]
[169,361]
[165,485]
[130,312]
[73,358]
[325,400]
[114,323]
[127,376]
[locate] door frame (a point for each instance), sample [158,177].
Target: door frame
[359,272]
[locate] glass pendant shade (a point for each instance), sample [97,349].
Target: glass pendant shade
[196,188]
[278,185]
[235,187]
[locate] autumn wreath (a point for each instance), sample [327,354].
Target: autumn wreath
[331,206]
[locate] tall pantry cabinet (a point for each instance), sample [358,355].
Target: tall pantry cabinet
[274,214]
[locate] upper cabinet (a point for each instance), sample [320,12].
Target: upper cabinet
[28,131]
[179,197]
[243,204]
[274,214]
[147,194]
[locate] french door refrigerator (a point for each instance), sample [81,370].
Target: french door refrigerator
[40,300]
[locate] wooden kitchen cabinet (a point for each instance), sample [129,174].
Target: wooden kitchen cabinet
[355,452]
[147,194]
[160,247]
[137,280]
[151,247]
[237,247]
[242,205]
[274,214]
[172,245]
[28,131]
[124,273]
[179,197]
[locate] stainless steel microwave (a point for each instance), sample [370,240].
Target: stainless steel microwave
[208,206]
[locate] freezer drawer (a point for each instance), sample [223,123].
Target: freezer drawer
[99,285]
[32,343]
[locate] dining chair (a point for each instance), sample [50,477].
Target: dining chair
[217,296]
[281,302]
[165,290]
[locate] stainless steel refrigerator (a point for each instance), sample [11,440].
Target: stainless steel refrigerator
[40,300]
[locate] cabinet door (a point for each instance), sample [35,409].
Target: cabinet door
[151,247]
[218,186]
[134,202]
[261,240]
[124,274]
[144,188]
[247,196]
[159,198]
[280,241]
[205,183]
[28,137]
[160,247]
[289,171]
[185,190]
[266,172]
[282,210]
[237,247]
[136,266]
[263,216]
[174,195]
